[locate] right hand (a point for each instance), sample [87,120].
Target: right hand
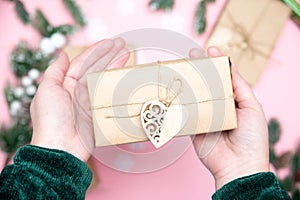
[244,150]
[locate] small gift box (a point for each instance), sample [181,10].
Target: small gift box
[158,101]
[247,32]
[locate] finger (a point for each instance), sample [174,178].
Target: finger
[244,95]
[197,53]
[214,52]
[56,72]
[123,53]
[120,59]
[102,63]
[84,61]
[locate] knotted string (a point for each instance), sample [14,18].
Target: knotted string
[247,43]
[168,99]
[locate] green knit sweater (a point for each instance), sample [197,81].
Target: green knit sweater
[40,173]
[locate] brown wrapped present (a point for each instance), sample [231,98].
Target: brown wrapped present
[247,32]
[196,96]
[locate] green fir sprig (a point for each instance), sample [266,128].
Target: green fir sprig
[23,58]
[286,160]
[200,16]
[41,23]
[27,64]
[22,12]
[161,4]
[75,12]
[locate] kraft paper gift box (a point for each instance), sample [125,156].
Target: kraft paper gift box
[203,87]
[247,32]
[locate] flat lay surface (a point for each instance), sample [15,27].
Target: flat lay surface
[186,178]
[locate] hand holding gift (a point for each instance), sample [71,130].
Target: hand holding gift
[56,129]
[242,151]
[237,154]
[51,110]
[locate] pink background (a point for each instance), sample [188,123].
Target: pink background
[277,90]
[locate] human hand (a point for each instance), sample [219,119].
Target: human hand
[244,150]
[52,110]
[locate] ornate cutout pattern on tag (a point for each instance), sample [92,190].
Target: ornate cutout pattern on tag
[153,115]
[159,123]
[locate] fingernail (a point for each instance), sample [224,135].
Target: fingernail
[107,42]
[61,53]
[234,68]
[119,42]
[56,57]
[198,53]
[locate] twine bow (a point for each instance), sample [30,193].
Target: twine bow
[247,44]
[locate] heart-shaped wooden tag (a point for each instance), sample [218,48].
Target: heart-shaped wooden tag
[160,123]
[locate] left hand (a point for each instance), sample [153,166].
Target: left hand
[52,110]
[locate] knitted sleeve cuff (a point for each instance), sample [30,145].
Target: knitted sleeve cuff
[257,186]
[54,164]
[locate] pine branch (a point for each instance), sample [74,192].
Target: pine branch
[200,16]
[274,136]
[296,163]
[9,95]
[272,157]
[75,12]
[296,194]
[41,24]
[65,29]
[200,19]
[12,138]
[286,183]
[20,60]
[23,58]
[161,4]
[286,159]
[21,12]
[274,131]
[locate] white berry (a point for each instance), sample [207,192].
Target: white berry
[30,90]
[46,46]
[154,6]
[26,81]
[19,92]
[58,40]
[20,57]
[33,74]
[15,107]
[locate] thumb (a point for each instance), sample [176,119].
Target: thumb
[214,51]
[244,95]
[57,70]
